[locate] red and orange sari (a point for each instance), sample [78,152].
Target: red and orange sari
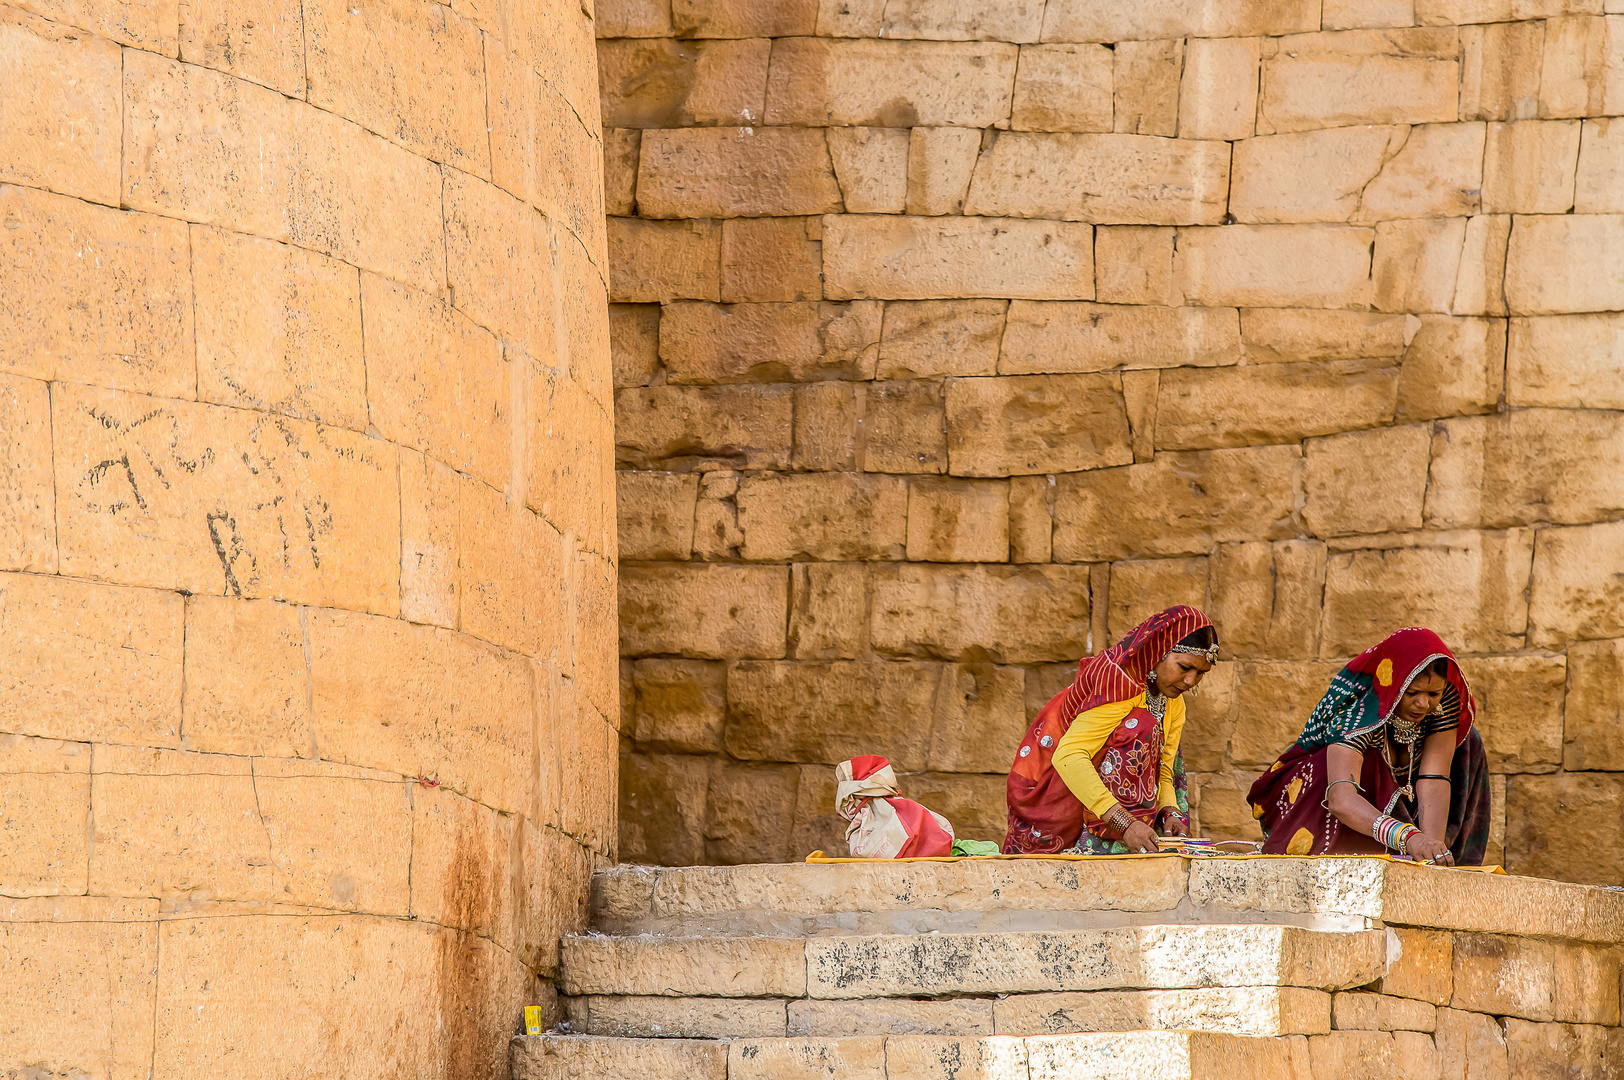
[1289,800]
[1044,816]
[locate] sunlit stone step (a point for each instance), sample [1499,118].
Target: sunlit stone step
[1249,1010]
[1137,1055]
[933,965]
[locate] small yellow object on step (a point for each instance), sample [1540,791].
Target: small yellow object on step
[532,1020]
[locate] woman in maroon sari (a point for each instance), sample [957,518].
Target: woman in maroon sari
[1389,762]
[1099,770]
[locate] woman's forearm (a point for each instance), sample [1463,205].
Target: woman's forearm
[1343,765]
[1432,796]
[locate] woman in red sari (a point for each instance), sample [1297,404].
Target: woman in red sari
[1099,770]
[1389,762]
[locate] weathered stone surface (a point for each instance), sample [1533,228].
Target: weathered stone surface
[731,172]
[913,258]
[1476,483]
[705,612]
[651,261]
[196,140]
[772,342]
[750,812]
[1480,286]
[1423,969]
[828,417]
[27,485]
[90,662]
[1008,614]
[906,423]
[246,683]
[44,811]
[1594,705]
[953,20]
[655,514]
[499,263]
[1286,1010]
[926,338]
[940,161]
[741,18]
[1310,175]
[278,329]
[1601,168]
[1529,167]
[666,84]
[1564,263]
[1219,90]
[716,517]
[1100,20]
[770,259]
[817,82]
[828,611]
[798,711]
[1367,481]
[415,74]
[123,321]
[1437,171]
[1452,366]
[1519,703]
[676,1018]
[662,808]
[62,130]
[1134,265]
[1272,704]
[1072,337]
[1585,977]
[393,724]
[892,1016]
[1504,976]
[88,966]
[768,1059]
[1179,504]
[1161,957]
[561,1057]
[872,167]
[1470,1044]
[1553,821]
[674,967]
[1467,586]
[1253,404]
[1381,1012]
[980,716]
[1146,76]
[1266,598]
[952,520]
[1574,80]
[1500,67]
[1131,179]
[1539,1051]
[679,705]
[1566,361]
[506,555]
[693,428]
[634,335]
[621,147]
[1575,595]
[1063,88]
[829,516]
[1275,266]
[1036,424]
[1359,77]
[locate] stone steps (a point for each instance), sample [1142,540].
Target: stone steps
[1249,1010]
[944,965]
[1133,1055]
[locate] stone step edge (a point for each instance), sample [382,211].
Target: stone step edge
[959,965]
[1130,1055]
[1257,1011]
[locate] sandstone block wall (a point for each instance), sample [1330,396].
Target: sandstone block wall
[951,338]
[307,558]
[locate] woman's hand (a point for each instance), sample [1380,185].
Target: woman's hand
[1139,838]
[1173,825]
[1420,846]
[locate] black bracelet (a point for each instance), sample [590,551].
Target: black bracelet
[1432,776]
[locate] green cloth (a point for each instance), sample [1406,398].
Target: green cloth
[1348,708]
[974,847]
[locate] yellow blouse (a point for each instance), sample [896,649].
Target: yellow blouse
[1074,754]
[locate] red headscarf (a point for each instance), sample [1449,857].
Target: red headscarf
[1044,816]
[1364,694]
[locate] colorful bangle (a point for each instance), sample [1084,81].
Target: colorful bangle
[1406,831]
[1173,812]
[1392,833]
[1119,819]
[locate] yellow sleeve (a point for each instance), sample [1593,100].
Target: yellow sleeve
[1074,754]
[1172,729]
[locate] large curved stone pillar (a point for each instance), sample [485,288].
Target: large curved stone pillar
[307,557]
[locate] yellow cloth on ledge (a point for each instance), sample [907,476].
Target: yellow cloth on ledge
[820,857]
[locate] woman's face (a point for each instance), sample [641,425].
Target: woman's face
[1422,697]
[1179,672]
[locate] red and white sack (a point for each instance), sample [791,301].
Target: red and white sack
[883,825]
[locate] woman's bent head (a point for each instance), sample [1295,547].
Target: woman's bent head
[1181,671]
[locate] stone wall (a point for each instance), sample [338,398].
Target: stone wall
[952,337]
[307,567]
